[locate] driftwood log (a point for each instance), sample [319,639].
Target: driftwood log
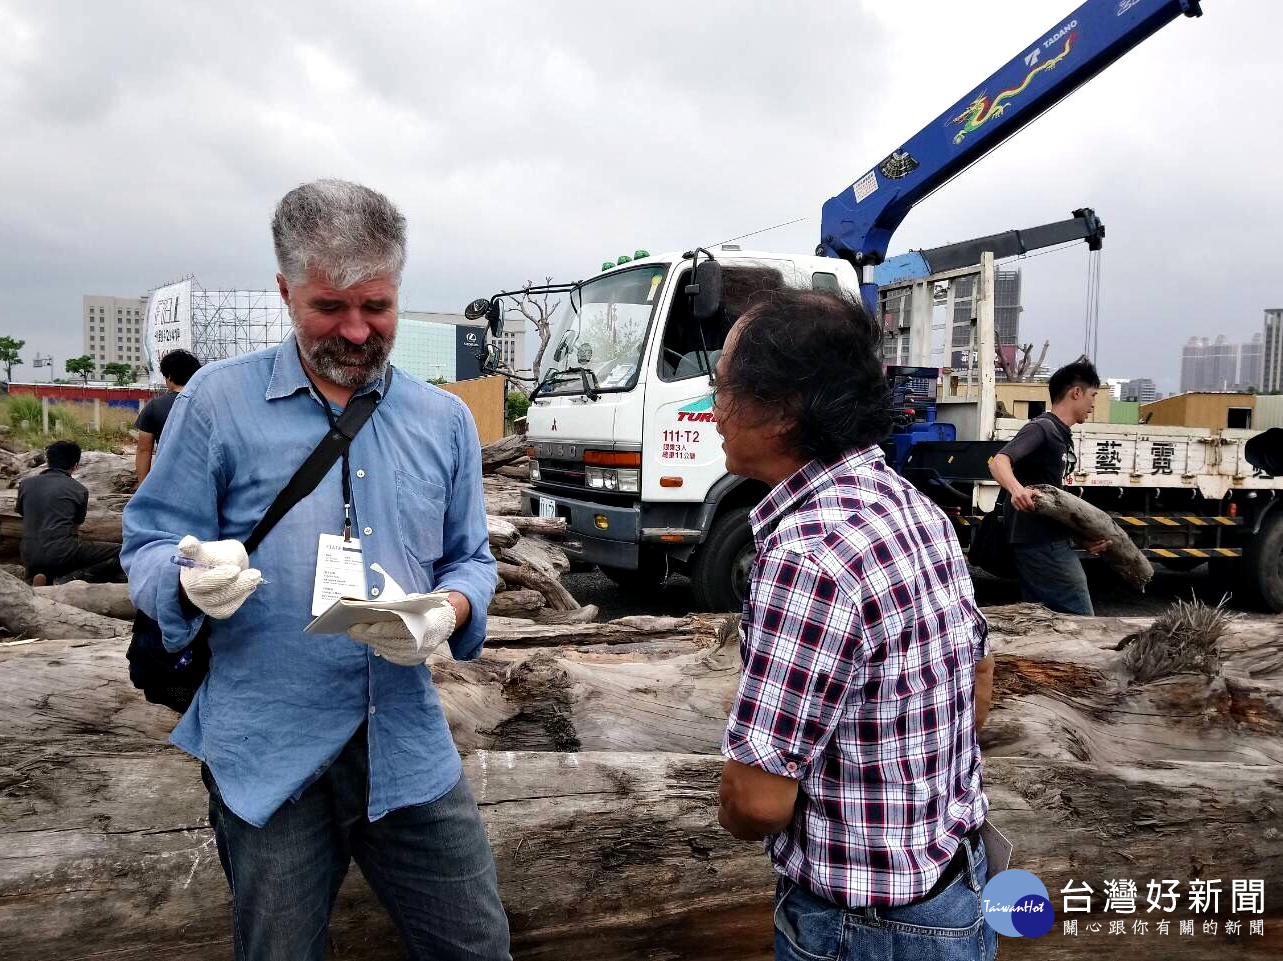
[615,853]
[25,614]
[507,450]
[1089,523]
[109,600]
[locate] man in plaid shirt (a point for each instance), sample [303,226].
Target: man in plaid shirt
[851,744]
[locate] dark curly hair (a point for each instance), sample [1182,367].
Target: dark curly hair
[812,356]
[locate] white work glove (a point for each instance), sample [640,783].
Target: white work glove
[393,640]
[221,578]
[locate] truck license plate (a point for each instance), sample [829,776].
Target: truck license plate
[547,507]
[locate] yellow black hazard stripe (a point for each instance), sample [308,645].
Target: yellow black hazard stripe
[1144,520]
[1175,520]
[1204,553]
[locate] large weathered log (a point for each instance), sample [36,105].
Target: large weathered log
[1094,777]
[109,600]
[24,613]
[1088,524]
[612,856]
[544,581]
[102,473]
[503,496]
[518,603]
[506,451]
[544,526]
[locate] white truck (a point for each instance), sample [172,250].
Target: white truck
[623,444]
[621,432]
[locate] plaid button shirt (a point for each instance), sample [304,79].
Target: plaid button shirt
[859,641]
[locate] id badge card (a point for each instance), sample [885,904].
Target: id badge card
[340,572]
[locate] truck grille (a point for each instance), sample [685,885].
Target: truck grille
[562,472]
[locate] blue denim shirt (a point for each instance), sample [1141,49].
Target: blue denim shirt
[279,704]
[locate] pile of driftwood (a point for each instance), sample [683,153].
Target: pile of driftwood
[1117,749]
[530,562]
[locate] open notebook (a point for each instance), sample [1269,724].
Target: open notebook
[394,605]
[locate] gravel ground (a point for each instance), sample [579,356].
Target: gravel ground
[1111,598]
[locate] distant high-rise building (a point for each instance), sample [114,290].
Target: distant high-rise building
[114,329]
[1006,306]
[1272,352]
[1249,363]
[1115,386]
[1223,364]
[1219,364]
[1194,364]
[1142,390]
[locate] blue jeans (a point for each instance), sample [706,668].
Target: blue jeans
[946,927]
[1052,575]
[430,866]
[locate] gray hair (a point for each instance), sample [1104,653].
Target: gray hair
[348,232]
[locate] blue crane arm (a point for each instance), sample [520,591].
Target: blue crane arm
[858,223]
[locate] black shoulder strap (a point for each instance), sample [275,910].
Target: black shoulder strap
[319,462]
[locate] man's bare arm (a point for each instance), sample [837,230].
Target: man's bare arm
[1022,498]
[754,803]
[146,451]
[984,690]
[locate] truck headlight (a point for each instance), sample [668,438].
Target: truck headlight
[611,479]
[534,470]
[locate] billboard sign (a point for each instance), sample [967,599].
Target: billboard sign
[467,352]
[169,323]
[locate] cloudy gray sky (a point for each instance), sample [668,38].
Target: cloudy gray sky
[145,141]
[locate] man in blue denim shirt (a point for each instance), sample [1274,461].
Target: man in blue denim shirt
[316,749]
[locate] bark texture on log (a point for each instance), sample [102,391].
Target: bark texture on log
[617,855]
[112,856]
[1089,523]
[24,613]
[518,603]
[546,582]
[505,451]
[109,600]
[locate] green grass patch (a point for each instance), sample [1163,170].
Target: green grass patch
[67,422]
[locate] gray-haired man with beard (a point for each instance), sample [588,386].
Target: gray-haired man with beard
[321,749]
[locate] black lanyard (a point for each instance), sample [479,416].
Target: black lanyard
[347,464]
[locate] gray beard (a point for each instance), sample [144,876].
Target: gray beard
[341,362]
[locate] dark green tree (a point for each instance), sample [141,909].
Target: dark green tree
[82,365]
[9,348]
[124,373]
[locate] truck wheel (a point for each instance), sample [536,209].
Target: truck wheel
[651,571]
[719,574]
[1263,560]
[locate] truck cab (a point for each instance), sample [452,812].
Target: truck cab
[621,436]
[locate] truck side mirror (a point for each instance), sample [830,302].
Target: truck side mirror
[494,319]
[490,359]
[705,290]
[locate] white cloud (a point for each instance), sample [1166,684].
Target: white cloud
[145,141]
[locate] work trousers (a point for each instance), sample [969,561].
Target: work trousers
[947,925]
[96,563]
[429,864]
[1052,575]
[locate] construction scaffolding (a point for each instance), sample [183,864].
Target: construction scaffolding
[226,323]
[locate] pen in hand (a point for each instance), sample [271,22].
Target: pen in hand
[190,562]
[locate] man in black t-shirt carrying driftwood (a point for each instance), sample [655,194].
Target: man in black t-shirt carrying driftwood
[1042,453]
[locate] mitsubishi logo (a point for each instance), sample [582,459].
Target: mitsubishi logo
[554,424]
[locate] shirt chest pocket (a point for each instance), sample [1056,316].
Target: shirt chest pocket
[420,508]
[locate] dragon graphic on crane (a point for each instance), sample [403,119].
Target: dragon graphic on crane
[982,109]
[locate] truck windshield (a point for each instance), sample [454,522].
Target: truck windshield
[599,332]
